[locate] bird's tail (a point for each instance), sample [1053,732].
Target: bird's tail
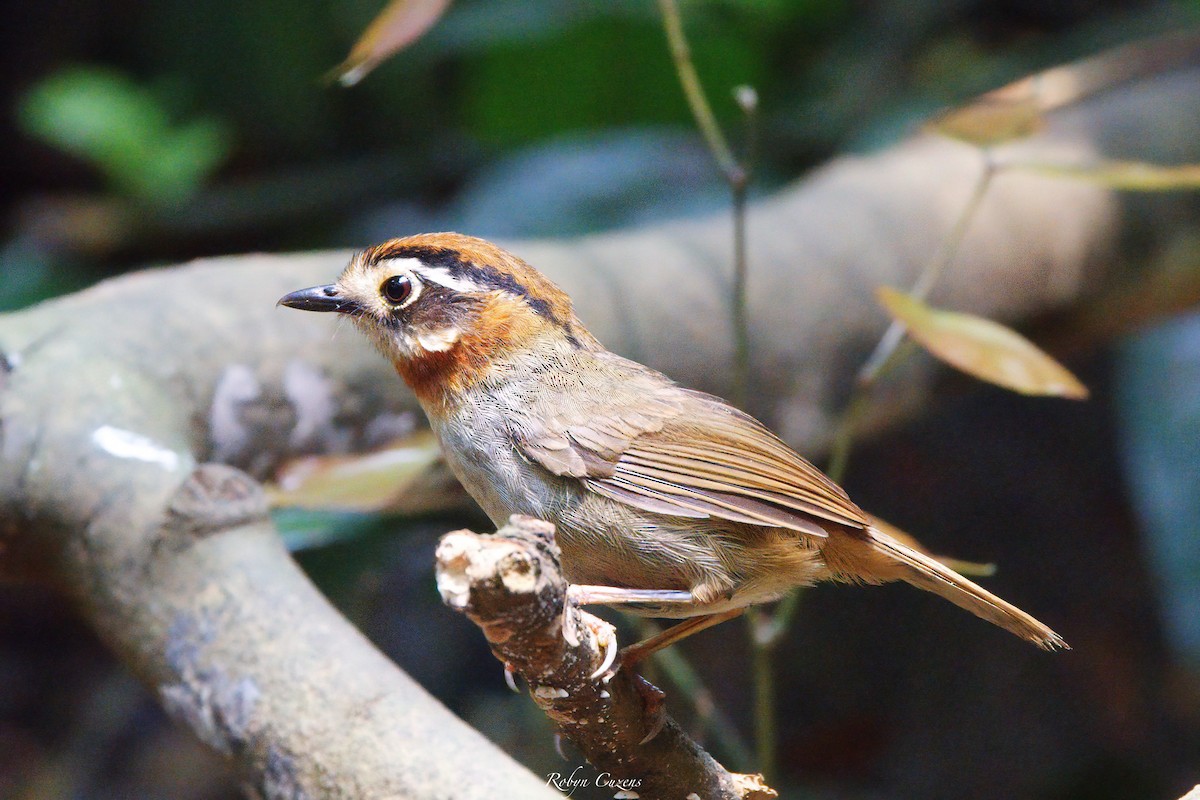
[924,572]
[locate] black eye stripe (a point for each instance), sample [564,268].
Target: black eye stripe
[458,267]
[396,289]
[489,277]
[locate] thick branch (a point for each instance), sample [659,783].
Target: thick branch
[510,584]
[110,403]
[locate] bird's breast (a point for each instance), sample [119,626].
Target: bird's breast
[483,456]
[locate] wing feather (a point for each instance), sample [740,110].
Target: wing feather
[701,462]
[731,481]
[667,450]
[738,474]
[734,507]
[648,500]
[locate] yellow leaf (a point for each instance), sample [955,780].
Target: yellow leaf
[1016,110]
[1132,176]
[982,348]
[404,476]
[400,24]
[989,121]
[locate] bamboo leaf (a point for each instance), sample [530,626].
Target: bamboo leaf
[393,478]
[1017,109]
[990,121]
[400,24]
[1131,176]
[982,348]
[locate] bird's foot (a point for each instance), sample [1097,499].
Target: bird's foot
[654,704]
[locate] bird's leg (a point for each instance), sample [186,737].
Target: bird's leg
[582,595]
[676,633]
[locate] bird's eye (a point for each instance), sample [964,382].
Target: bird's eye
[396,289]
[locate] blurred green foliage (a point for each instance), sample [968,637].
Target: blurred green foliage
[604,72]
[124,130]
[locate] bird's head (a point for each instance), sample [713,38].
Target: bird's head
[446,308]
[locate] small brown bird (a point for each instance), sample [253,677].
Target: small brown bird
[664,498]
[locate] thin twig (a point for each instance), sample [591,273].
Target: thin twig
[763,656]
[737,176]
[740,317]
[856,406]
[887,354]
[739,183]
[735,173]
[681,54]
[929,276]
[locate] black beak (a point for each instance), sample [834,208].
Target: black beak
[318,298]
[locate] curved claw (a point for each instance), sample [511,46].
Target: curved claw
[509,679]
[652,698]
[660,719]
[610,655]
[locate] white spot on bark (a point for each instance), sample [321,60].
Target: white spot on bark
[453,561]
[128,444]
[518,574]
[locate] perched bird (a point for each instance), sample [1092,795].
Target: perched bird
[664,498]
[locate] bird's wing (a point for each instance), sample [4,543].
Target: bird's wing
[688,454]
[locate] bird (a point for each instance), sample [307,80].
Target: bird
[666,500]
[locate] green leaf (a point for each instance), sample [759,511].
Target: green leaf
[982,348]
[184,159]
[94,114]
[121,128]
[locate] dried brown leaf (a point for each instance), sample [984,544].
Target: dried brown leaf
[400,24]
[1015,110]
[982,348]
[990,120]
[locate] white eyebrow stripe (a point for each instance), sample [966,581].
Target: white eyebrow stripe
[439,275]
[442,277]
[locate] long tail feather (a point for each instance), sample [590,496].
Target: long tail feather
[925,573]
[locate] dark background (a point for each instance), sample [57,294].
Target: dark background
[541,118]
